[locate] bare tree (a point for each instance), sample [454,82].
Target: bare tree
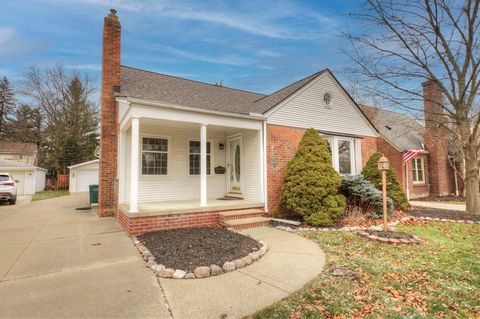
[70,120]
[407,42]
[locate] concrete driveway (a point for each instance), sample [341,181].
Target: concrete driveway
[60,262]
[56,261]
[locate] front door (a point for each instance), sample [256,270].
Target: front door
[234,164]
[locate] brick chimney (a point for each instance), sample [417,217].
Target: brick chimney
[109,112]
[436,140]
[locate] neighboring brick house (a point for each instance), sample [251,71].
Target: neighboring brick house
[429,173]
[182,153]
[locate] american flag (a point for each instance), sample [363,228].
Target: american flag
[409,154]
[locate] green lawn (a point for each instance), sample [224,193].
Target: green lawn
[49,194]
[438,279]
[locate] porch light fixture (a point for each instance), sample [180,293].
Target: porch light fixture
[221,146]
[383,166]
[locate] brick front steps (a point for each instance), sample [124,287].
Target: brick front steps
[243,219]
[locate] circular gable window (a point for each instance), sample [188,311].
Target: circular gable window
[327,99]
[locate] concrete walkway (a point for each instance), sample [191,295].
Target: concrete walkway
[60,262]
[440,205]
[291,262]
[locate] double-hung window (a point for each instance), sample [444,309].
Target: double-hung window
[418,170]
[194,150]
[154,156]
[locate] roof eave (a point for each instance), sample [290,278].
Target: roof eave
[134,100]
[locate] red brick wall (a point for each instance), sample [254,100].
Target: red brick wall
[436,141]
[395,158]
[282,144]
[379,144]
[109,113]
[138,225]
[369,147]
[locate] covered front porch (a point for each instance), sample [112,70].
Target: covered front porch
[188,206]
[174,161]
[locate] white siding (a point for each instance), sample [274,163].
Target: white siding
[305,109]
[251,164]
[40,180]
[358,156]
[179,185]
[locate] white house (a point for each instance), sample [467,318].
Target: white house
[180,153]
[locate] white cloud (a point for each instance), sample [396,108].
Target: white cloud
[229,59]
[85,67]
[13,44]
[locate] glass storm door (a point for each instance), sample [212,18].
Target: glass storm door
[235,165]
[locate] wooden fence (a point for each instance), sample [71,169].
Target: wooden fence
[62,181]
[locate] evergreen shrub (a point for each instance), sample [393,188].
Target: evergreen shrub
[311,184]
[394,189]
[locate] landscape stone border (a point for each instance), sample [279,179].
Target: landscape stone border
[413,240]
[391,225]
[201,271]
[432,219]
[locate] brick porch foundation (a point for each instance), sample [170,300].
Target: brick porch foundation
[135,226]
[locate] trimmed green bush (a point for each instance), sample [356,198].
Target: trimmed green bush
[311,185]
[394,189]
[361,192]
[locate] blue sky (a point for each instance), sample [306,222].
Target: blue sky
[252,45]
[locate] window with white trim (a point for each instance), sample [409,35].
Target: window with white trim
[194,151]
[154,156]
[342,152]
[418,170]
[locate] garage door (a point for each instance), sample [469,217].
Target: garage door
[86,177]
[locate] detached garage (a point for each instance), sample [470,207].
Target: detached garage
[31,179]
[82,175]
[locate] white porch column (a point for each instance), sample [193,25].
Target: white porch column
[134,165]
[203,165]
[122,156]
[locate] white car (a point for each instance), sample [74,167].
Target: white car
[8,188]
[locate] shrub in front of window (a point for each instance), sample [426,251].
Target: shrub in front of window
[394,189]
[360,192]
[311,185]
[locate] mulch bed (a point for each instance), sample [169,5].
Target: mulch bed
[441,213]
[188,248]
[441,199]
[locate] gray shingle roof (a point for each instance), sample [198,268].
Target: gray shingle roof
[177,91]
[402,130]
[146,85]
